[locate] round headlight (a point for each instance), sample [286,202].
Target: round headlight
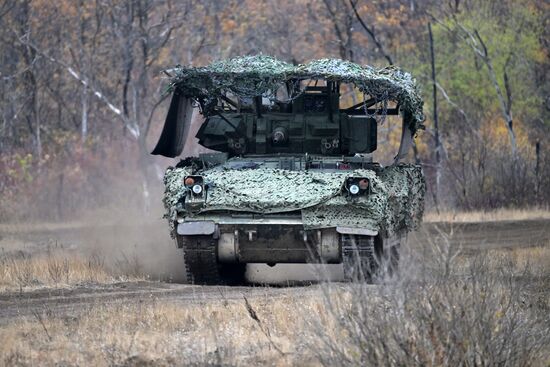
[197,189]
[354,189]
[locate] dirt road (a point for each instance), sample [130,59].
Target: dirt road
[487,235]
[72,301]
[470,237]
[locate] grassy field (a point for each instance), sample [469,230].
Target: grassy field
[149,331]
[61,268]
[454,309]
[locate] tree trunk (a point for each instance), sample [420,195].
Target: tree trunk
[146,166]
[505,103]
[537,171]
[38,127]
[436,123]
[84,121]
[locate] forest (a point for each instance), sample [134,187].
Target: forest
[83,90]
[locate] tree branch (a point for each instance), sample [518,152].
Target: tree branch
[6,8]
[336,28]
[370,32]
[132,127]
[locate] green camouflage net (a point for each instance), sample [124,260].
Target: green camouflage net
[394,203]
[251,76]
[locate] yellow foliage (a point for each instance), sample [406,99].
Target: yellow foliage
[496,135]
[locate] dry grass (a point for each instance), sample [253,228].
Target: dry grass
[452,310]
[446,308]
[59,268]
[491,309]
[535,260]
[487,216]
[157,333]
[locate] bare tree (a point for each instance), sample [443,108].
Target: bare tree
[28,58]
[473,39]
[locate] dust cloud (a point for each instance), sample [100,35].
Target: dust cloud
[130,235]
[125,235]
[138,242]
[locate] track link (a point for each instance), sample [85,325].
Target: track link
[370,259]
[360,258]
[201,262]
[202,266]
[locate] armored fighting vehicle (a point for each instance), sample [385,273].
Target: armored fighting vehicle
[289,176]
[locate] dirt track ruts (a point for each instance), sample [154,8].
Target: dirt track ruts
[476,236]
[73,300]
[470,236]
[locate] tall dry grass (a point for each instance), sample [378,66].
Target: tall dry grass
[445,309]
[22,271]
[155,332]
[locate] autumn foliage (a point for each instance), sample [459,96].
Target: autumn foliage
[82,90]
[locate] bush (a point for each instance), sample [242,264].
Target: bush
[449,310]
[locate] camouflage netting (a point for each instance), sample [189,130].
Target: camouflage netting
[251,76]
[394,204]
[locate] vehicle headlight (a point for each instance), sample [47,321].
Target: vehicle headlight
[195,193]
[357,185]
[195,184]
[197,189]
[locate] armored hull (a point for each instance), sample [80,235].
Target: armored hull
[250,210]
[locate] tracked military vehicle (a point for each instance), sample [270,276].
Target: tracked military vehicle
[290,175]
